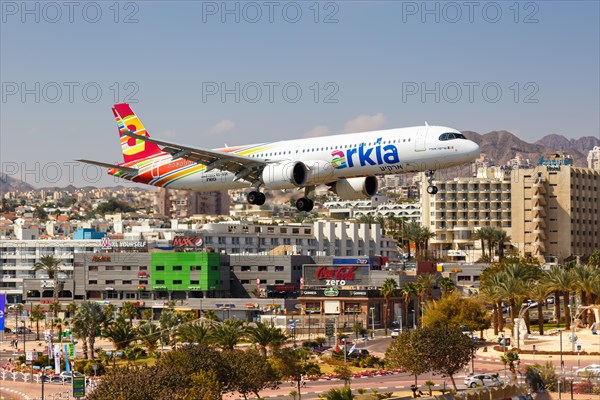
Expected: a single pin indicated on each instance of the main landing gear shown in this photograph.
(255, 197)
(431, 189)
(304, 204)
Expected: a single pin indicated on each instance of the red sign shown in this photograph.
(100, 258)
(185, 241)
(337, 273)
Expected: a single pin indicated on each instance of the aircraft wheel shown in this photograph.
(261, 199)
(253, 197)
(432, 189)
(304, 204)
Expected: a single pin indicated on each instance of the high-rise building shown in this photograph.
(593, 158)
(551, 212)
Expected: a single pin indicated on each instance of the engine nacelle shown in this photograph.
(284, 175)
(318, 172)
(355, 188)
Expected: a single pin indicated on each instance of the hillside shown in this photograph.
(501, 146)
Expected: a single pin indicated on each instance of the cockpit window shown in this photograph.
(451, 135)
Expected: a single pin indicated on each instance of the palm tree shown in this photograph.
(227, 334)
(37, 314)
(149, 334)
(80, 332)
(51, 266)
(500, 237)
(209, 315)
(343, 393)
(92, 318)
(411, 233)
(446, 285)
(538, 291)
(585, 277)
(388, 289)
(479, 234)
(120, 333)
(563, 280)
(129, 310)
(407, 292)
(368, 219)
(264, 335)
(425, 234)
(427, 281)
(194, 332)
(492, 294)
(71, 308)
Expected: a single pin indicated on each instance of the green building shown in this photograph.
(198, 271)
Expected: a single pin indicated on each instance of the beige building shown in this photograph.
(550, 212)
(593, 158)
(183, 203)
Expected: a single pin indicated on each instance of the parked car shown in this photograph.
(21, 330)
(550, 300)
(482, 380)
(7, 330)
(395, 333)
(67, 376)
(359, 353)
(590, 370)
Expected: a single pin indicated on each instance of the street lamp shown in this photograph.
(36, 367)
(372, 322)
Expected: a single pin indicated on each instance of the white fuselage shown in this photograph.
(392, 151)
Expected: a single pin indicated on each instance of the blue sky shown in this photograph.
(362, 65)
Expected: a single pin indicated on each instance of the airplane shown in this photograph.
(348, 163)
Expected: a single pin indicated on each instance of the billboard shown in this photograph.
(2, 299)
(336, 275)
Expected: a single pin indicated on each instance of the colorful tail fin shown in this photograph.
(133, 149)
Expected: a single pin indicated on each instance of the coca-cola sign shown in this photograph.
(336, 275)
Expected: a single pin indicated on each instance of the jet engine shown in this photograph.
(318, 172)
(355, 188)
(284, 175)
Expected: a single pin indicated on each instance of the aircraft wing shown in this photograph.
(243, 167)
(127, 170)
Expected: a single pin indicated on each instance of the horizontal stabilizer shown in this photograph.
(127, 170)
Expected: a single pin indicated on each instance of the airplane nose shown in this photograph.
(474, 150)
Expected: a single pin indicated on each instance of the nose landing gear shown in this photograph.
(431, 189)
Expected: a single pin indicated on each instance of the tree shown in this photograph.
(37, 314)
(71, 308)
(194, 332)
(227, 334)
(408, 352)
(439, 350)
(562, 280)
(594, 260)
(510, 359)
(264, 335)
(446, 285)
(120, 333)
(407, 292)
(149, 334)
(289, 362)
(129, 310)
(454, 311)
(538, 291)
(251, 371)
(91, 317)
(50, 265)
(388, 290)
